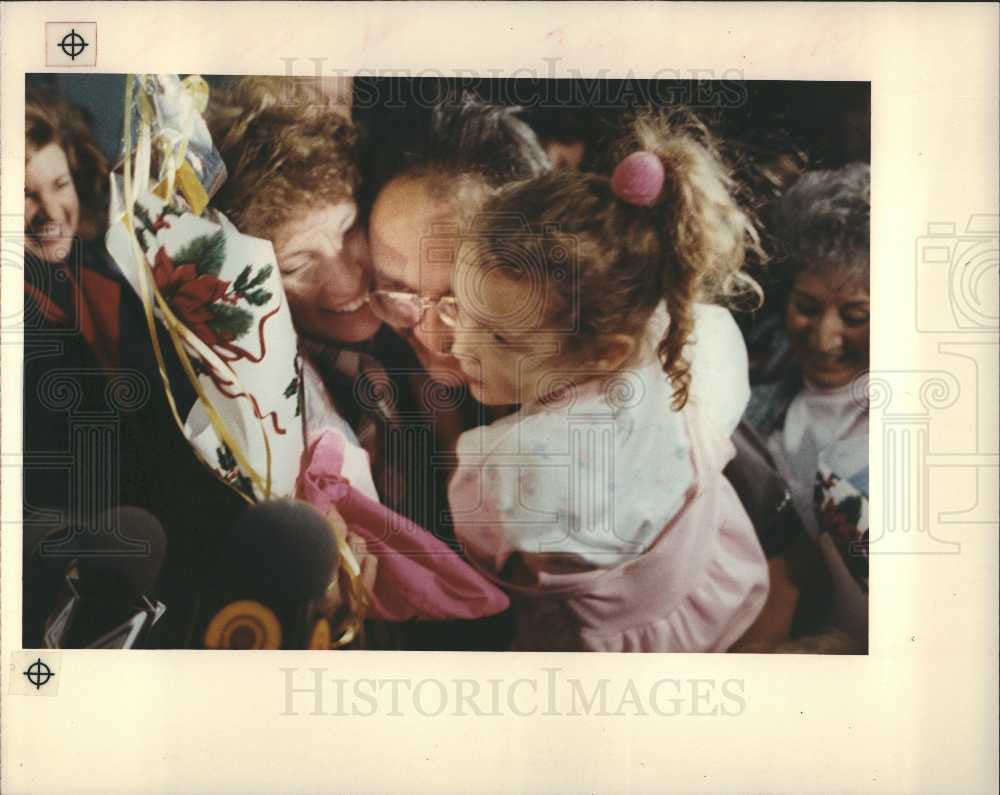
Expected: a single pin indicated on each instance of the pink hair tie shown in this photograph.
(638, 179)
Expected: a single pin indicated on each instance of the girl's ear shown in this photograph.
(614, 351)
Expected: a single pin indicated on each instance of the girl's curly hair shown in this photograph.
(49, 119)
(689, 246)
(285, 149)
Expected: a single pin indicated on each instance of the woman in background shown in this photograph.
(86, 337)
(816, 418)
(70, 294)
(822, 224)
(65, 214)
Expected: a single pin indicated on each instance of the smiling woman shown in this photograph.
(291, 157)
(65, 179)
(51, 206)
(827, 321)
(322, 256)
(816, 418)
(822, 223)
(292, 180)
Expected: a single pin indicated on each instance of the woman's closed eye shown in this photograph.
(296, 263)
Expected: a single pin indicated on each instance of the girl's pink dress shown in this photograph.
(699, 586)
(605, 515)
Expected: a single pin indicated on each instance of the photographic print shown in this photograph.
(488, 397)
(446, 364)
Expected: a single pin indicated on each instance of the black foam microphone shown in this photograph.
(270, 586)
(108, 579)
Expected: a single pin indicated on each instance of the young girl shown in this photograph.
(600, 504)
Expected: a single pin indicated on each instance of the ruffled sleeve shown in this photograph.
(720, 382)
(587, 488)
(504, 499)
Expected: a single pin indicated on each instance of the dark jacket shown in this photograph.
(98, 433)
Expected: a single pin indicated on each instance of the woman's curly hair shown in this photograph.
(689, 246)
(823, 221)
(49, 119)
(285, 149)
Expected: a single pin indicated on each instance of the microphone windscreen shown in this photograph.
(280, 551)
(120, 559)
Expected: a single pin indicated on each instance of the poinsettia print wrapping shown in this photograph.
(841, 501)
(224, 288)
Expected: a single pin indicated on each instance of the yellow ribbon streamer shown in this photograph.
(351, 626)
(192, 189)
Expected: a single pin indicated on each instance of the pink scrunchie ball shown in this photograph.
(638, 179)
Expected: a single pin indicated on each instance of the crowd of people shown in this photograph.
(615, 377)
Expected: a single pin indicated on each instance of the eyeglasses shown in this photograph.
(406, 310)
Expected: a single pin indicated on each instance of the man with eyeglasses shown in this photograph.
(416, 398)
(413, 275)
(415, 228)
